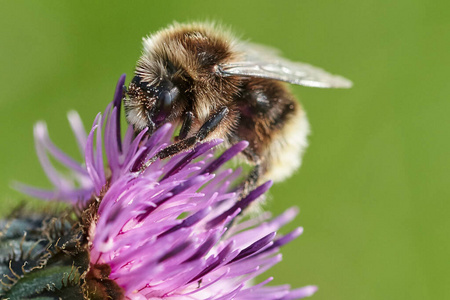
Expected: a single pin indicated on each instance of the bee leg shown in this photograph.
(150, 123)
(253, 178)
(186, 126)
(209, 126)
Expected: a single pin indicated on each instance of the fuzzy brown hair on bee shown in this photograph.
(215, 86)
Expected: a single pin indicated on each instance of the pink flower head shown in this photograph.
(173, 230)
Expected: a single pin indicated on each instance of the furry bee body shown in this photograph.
(275, 126)
(201, 77)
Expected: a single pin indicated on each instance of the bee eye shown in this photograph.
(164, 104)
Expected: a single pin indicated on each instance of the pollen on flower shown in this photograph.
(173, 230)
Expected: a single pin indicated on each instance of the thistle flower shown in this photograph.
(171, 230)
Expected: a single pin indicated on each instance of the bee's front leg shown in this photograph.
(184, 144)
(211, 124)
(186, 126)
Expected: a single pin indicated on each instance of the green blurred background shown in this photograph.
(373, 186)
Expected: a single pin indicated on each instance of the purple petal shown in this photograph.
(226, 156)
(199, 150)
(188, 222)
(224, 255)
(40, 131)
(176, 250)
(285, 239)
(98, 161)
(300, 293)
(118, 95)
(255, 247)
(78, 130)
(112, 149)
(90, 162)
(242, 204)
(205, 247)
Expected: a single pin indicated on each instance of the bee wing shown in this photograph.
(264, 62)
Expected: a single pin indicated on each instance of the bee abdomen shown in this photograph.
(276, 127)
(285, 151)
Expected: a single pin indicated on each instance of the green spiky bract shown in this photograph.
(42, 256)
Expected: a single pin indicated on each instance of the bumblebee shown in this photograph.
(214, 86)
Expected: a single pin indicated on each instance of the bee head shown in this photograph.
(176, 74)
(150, 104)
